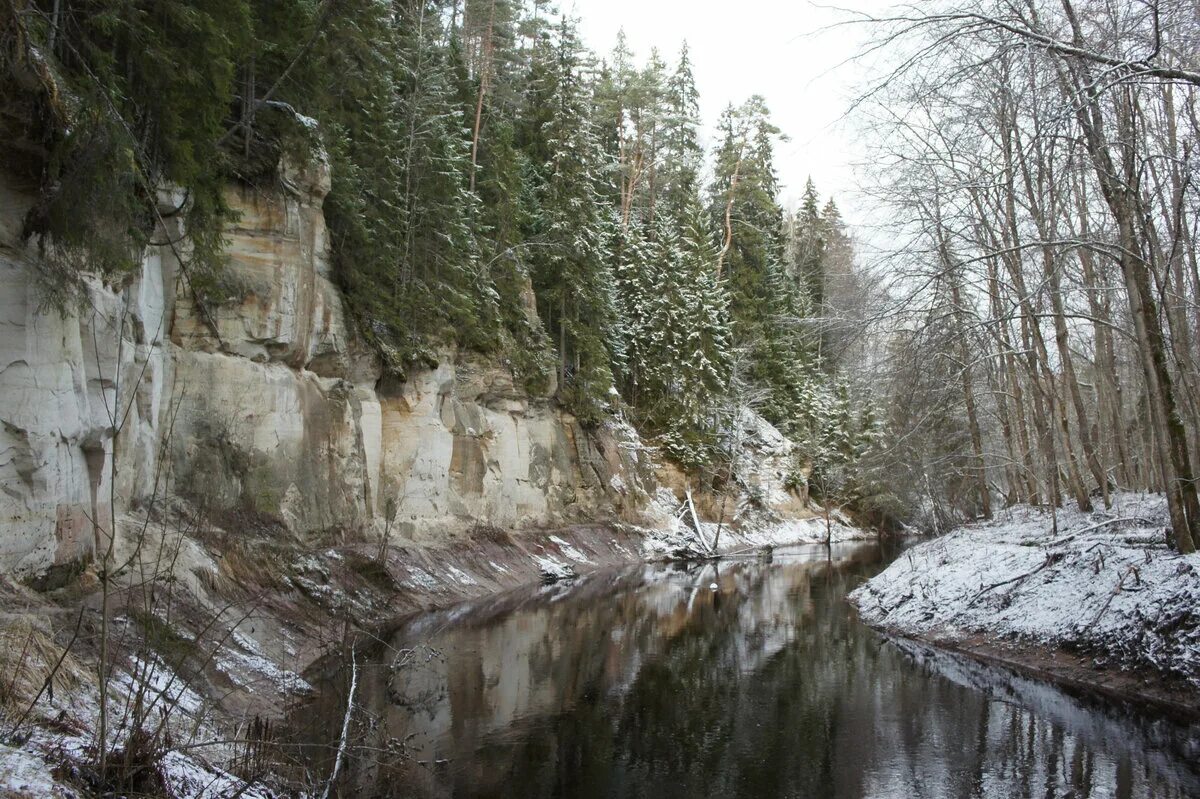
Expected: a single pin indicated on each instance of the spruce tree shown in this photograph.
(807, 245)
(405, 220)
(573, 280)
(681, 151)
(687, 339)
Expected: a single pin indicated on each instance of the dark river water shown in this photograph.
(645, 682)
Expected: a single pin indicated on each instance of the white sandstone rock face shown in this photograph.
(462, 446)
(68, 381)
(267, 402)
(765, 463)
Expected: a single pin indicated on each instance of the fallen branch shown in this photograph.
(1105, 523)
(341, 753)
(1120, 584)
(1051, 559)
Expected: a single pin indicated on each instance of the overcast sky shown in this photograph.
(767, 47)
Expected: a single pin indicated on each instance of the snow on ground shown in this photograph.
(141, 684)
(185, 775)
(789, 531)
(249, 668)
(1105, 584)
(24, 775)
(753, 530)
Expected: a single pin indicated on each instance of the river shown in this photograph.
(647, 682)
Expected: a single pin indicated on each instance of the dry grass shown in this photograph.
(27, 658)
(246, 568)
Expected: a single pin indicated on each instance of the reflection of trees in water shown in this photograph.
(649, 683)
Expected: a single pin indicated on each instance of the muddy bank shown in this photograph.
(1145, 690)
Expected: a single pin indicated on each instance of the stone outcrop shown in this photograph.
(264, 404)
(267, 403)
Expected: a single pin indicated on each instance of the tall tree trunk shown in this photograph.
(985, 501)
(1118, 189)
(1036, 194)
(1109, 399)
(485, 72)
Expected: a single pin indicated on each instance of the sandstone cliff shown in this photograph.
(268, 403)
(251, 454)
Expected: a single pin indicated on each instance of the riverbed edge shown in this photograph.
(1090, 600)
(1071, 672)
(322, 600)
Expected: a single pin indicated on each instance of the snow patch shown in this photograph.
(419, 579)
(461, 576)
(553, 570)
(156, 682)
(24, 775)
(185, 775)
(570, 551)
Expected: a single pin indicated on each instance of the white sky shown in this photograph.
(768, 47)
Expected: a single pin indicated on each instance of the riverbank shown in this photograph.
(224, 649)
(1096, 602)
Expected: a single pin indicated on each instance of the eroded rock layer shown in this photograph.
(266, 402)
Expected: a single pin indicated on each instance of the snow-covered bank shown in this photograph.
(1104, 586)
(747, 528)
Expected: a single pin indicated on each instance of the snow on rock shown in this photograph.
(764, 464)
(1105, 583)
(249, 668)
(553, 570)
(570, 550)
(675, 541)
(461, 576)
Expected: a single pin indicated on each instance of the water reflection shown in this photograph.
(648, 683)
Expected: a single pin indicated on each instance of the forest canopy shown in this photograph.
(483, 161)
